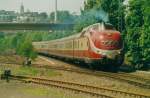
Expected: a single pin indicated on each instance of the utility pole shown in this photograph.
(55, 19)
(121, 16)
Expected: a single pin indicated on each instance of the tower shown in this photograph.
(21, 9)
(55, 18)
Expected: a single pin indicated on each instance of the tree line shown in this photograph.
(20, 44)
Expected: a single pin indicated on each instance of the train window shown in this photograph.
(55, 46)
(75, 44)
(81, 44)
(42, 46)
(95, 27)
(109, 27)
(78, 43)
(70, 44)
(83, 32)
(91, 33)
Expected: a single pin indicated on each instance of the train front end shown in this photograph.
(106, 46)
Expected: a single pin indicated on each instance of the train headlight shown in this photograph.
(104, 53)
(119, 52)
(111, 56)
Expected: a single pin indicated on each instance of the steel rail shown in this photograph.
(140, 78)
(97, 90)
(131, 79)
(50, 83)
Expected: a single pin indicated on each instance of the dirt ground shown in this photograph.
(11, 59)
(145, 74)
(16, 89)
(90, 80)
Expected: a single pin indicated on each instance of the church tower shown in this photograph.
(21, 9)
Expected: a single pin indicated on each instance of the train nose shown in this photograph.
(108, 41)
(107, 44)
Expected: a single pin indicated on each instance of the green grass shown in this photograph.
(1, 71)
(29, 71)
(50, 72)
(32, 71)
(26, 71)
(49, 92)
(36, 91)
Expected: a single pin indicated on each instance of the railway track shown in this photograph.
(125, 77)
(81, 88)
(141, 81)
(130, 78)
(60, 84)
(140, 78)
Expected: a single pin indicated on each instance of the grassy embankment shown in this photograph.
(29, 71)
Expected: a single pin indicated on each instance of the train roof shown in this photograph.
(99, 26)
(61, 39)
(67, 38)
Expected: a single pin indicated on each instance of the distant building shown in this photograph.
(21, 9)
(23, 16)
(7, 16)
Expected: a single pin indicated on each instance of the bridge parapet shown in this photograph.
(35, 26)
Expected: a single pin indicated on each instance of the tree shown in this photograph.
(43, 15)
(90, 17)
(114, 9)
(2, 35)
(138, 36)
(26, 49)
(20, 43)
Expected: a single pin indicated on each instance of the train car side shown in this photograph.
(95, 45)
(72, 48)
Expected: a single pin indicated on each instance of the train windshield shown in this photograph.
(102, 26)
(109, 27)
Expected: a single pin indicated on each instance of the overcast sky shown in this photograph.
(42, 5)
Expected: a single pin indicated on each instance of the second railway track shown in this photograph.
(87, 89)
(125, 77)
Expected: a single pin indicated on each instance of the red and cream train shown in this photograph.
(98, 45)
